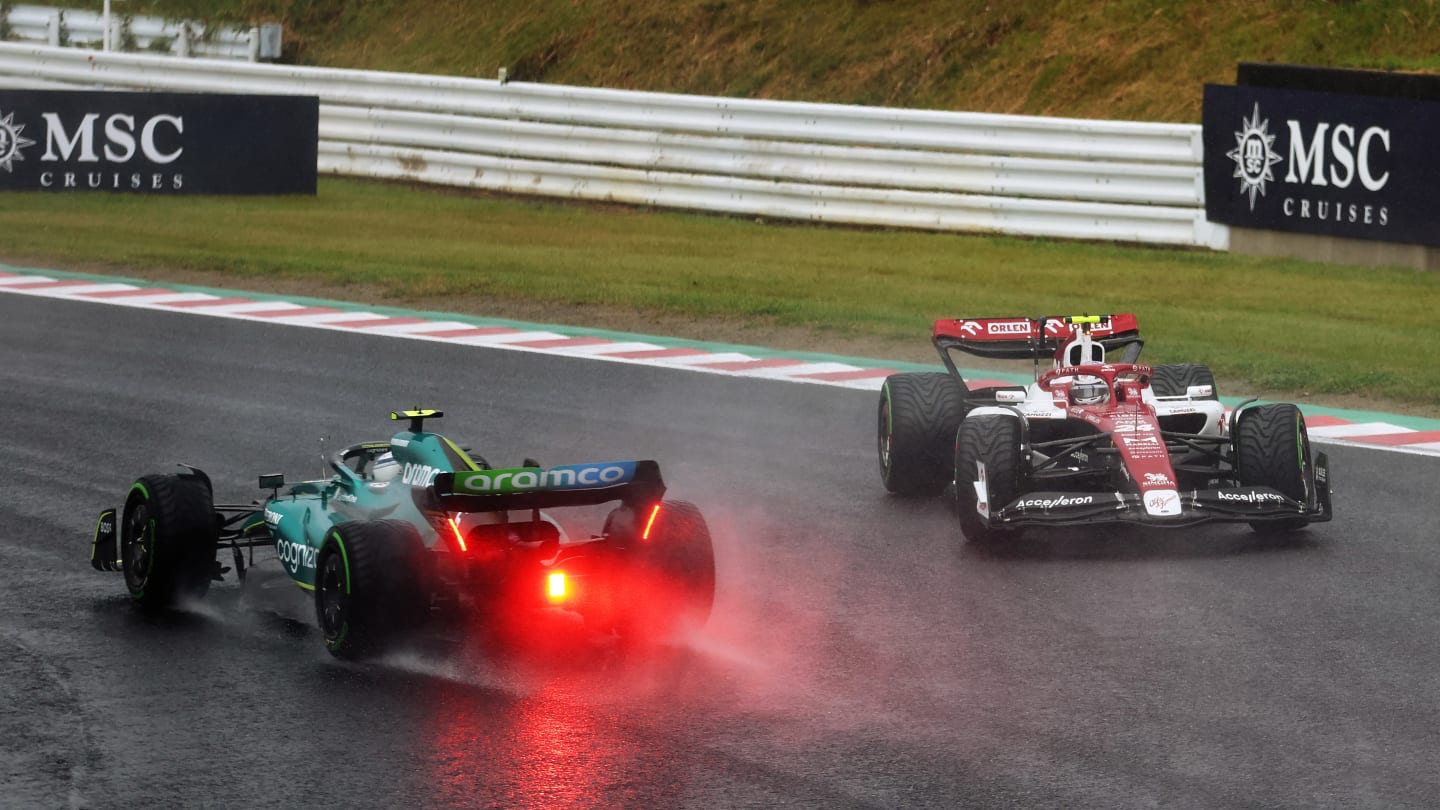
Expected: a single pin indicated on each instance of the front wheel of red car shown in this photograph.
(1272, 449)
(987, 445)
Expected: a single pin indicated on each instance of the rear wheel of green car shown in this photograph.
(664, 584)
(370, 586)
(168, 535)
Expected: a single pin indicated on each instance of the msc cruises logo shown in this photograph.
(11, 141)
(1254, 154)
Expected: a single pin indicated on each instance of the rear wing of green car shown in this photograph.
(633, 482)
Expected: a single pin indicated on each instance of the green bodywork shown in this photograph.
(301, 515)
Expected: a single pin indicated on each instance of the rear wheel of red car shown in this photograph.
(991, 442)
(1175, 379)
(1272, 449)
(918, 416)
(168, 535)
(370, 586)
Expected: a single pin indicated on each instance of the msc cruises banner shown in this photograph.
(157, 143)
(1323, 163)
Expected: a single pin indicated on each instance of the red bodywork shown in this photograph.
(1130, 422)
(1125, 466)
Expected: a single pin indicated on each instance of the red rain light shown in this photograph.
(459, 538)
(556, 586)
(650, 524)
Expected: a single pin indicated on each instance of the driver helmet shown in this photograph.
(1089, 391)
(384, 469)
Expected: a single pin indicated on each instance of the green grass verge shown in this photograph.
(1276, 327)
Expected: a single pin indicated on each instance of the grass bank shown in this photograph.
(1119, 59)
(1359, 337)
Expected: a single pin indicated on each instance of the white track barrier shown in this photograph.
(43, 24)
(1020, 175)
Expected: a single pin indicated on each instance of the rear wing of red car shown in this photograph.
(1024, 338)
(1021, 338)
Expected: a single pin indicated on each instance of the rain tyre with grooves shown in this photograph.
(918, 416)
(1174, 379)
(1272, 449)
(992, 440)
(370, 586)
(168, 535)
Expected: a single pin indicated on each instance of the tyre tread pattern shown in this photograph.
(926, 409)
(1174, 379)
(387, 594)
(1272, 450)
(993, 440)
(186, 536)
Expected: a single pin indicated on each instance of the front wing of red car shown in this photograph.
(1240, 504)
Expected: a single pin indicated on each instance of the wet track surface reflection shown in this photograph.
(859, 655)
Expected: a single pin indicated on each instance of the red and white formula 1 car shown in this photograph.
(1095, 438)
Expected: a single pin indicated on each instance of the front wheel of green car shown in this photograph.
(168, 535)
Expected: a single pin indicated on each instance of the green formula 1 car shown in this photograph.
(411, 529)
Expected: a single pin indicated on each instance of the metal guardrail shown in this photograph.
(1023, 175)
(78, 28)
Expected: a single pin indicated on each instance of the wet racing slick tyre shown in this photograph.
(371, 586)
(918, 416)
(1272, 449)
(168, 536)
(667, 582)
(1175, 379)
(991, 440)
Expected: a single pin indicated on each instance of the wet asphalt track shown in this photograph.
(860, 655)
